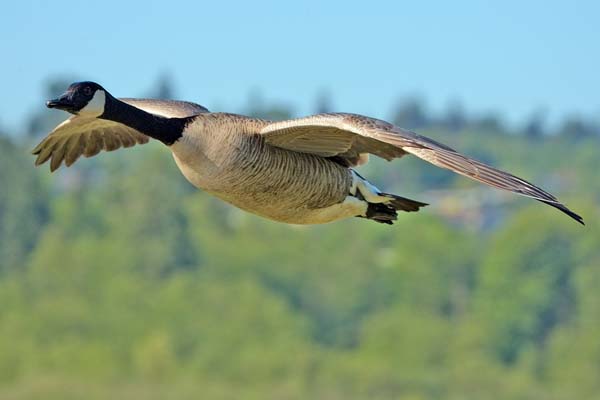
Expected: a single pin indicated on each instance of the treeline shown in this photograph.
(118, 279)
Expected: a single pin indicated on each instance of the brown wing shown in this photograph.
(350, 135)
(329, 135)
(79, 135)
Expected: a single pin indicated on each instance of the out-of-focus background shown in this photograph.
(118, 279)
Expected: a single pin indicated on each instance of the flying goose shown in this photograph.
(298, 171)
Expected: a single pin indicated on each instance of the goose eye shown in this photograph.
(87, 90)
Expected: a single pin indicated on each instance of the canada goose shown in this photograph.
(297, 171)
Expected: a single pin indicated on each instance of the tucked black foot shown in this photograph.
(382, 213)
(387, 213)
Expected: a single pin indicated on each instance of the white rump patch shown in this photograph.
(94, 107)
(366, 189)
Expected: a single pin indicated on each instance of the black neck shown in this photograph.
(167, 130)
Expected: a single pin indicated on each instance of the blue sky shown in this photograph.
(506, 56)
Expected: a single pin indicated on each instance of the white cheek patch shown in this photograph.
(95, 107)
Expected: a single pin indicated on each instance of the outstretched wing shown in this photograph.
(350, 136)
(87, 136)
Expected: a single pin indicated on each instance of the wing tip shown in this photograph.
(565, 210)
(38, 149)
(55, 166)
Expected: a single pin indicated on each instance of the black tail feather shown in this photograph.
(404, 204)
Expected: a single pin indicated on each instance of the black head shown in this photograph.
(81, 98)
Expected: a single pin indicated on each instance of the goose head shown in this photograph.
(82, 98)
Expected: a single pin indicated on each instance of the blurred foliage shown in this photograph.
(118, 279)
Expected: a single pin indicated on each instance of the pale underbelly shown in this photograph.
(303, 215)
(293, 203)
